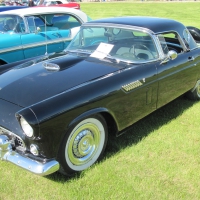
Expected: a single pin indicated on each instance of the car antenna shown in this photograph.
(45, 26)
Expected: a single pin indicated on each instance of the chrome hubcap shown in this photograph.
(84, 144)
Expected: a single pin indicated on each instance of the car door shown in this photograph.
(138, 96)
(138, 81)
(179, 75)
(41, 38)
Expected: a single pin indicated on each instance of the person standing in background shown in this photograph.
(31, 3)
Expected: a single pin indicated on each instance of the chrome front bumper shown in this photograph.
(7, 154)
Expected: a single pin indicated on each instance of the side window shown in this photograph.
(51, 22)
(12, 24)
(31, 24)
(63, 22)
(37, 23)
(170, 41)
(21, 26)
(188, 39)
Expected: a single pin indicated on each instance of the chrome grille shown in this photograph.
(16, 141)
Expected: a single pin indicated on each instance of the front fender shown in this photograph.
(87, 114)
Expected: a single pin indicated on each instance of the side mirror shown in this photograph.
(172, 54)
(38, 30)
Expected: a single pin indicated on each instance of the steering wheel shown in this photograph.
(128, 56)
(141, 46)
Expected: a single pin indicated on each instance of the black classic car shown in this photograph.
(57, 111)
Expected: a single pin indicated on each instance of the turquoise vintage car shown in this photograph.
(31, 32)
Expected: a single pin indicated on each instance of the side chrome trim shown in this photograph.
(31, 45)
(41, 169)
(11, 49)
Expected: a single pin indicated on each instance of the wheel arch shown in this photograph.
(104, 112)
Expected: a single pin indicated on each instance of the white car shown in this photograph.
(30, 32)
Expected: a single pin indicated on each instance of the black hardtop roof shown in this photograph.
(154, 24)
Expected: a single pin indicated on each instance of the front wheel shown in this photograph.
(83, 145)
(194, 94)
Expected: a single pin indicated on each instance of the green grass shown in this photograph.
(185, 12)
(157, 159)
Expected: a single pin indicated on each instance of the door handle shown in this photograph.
(191, 58)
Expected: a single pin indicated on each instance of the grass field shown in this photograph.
(187, 13)
(157, 159)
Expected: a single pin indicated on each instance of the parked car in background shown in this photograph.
(31, 32)
(57, 112)
(59, 3)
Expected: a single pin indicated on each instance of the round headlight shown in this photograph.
(26, 127)
(34, 150)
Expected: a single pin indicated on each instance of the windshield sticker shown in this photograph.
(102, 50)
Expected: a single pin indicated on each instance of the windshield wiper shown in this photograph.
(78, 51)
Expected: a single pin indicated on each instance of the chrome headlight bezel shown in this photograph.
(27, 129)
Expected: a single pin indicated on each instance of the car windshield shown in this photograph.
(119, 43)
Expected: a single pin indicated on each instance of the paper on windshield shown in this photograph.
(102, 50)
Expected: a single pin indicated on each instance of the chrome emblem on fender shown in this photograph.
(132, 85)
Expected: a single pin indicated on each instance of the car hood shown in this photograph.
(30, 83)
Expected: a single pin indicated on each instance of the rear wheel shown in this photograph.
(194, 94)
(83, 145)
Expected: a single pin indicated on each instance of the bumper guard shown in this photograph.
(41, 169)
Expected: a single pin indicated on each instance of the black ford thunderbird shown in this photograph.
(55, 111)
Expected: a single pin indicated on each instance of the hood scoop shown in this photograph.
(51, 66)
